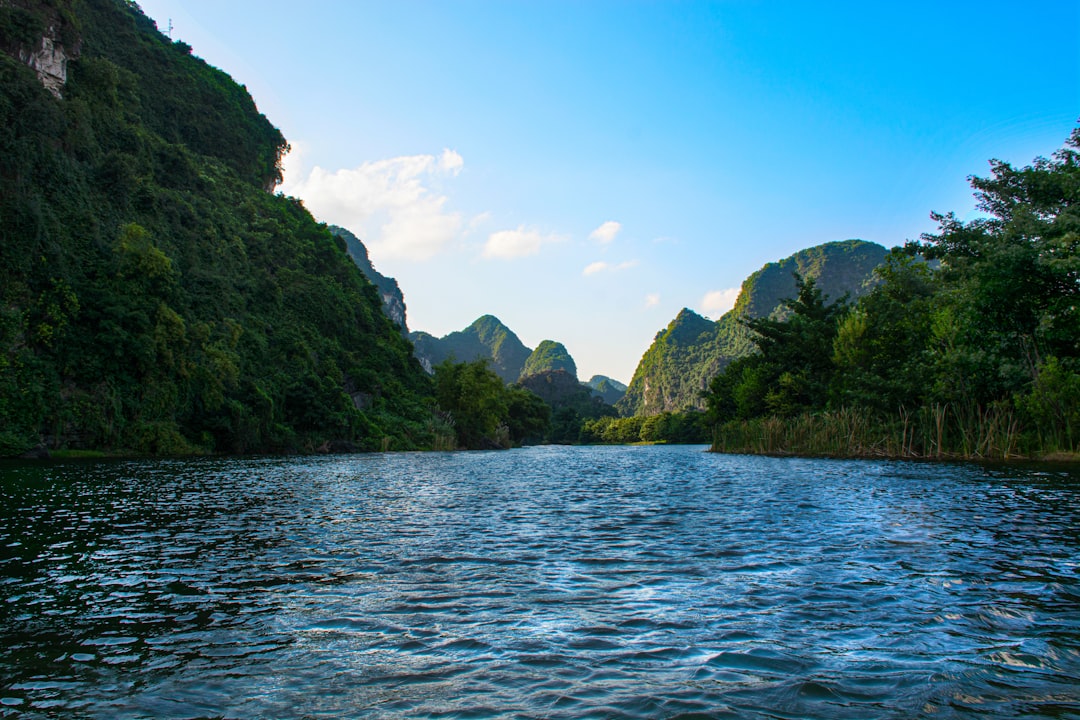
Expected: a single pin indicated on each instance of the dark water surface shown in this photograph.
(642, 582)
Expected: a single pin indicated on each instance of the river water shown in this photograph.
(551, 582)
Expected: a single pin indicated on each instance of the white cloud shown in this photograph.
(717, 302)
(508, 244)
(451, 162)
(389, 203)
(601, 266)
(652, 300)
(606, 232)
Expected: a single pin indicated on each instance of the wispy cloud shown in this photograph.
(601, 266)
(652, 300)
(509, 244)
(606, 233)
(389, 203)
(717, 302)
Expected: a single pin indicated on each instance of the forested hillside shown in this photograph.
(486, 339)
(549, 356)
(156, 296)
(685, 356)
(393, 300)
(975, 355)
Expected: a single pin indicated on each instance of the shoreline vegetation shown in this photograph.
(160, 300)
(930, 434)
(968, 347)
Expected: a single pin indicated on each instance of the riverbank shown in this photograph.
(928, 434)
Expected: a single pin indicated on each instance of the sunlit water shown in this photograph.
(642, 582)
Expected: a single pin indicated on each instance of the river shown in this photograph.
(549, 582)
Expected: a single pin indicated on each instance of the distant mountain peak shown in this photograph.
(609, 390)
(485, 338)
(549, 356)
(692, 349)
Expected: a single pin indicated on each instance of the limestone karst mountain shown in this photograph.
(486, 338)
(692, 349)
(393, 301)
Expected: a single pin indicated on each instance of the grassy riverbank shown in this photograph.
(935, 432)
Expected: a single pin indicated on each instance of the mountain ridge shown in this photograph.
(691, 350)
(158, 298)
(393, 300)
(486, 338)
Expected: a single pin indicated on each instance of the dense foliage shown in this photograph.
(483, 412)
(571, 403)
(684, 357)
(393, 300)
(486, 338)
(969, 345)
(548, 355)
(156, 297)
(684, 428)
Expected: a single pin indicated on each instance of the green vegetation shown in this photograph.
(483, 412)
(609, 390)
(393, 301)
(548, 356)
(487, 338)
(972, 355)
(689, 427)
(156, 297)
(571, 403)
(684, 357)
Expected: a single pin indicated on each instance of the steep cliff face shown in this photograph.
(393, 301)
(686, 355)
(43, 36)
(487, 338)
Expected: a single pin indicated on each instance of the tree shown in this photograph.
(882, 348)
(1010, 297)
(485, 412)
(792, 370)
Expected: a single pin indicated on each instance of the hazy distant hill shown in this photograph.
(392, 299)
(609, 390)
(692, 349)
(486, 338)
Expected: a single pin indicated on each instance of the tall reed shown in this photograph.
(935, 431)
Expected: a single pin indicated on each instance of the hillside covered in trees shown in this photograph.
(156, 296)
(685, 356)
(968, 345)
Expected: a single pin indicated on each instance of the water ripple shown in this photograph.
(541, 583)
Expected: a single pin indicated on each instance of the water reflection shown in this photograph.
(549, 582)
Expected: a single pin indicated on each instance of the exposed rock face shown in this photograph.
(393, 301)
(39, 28)
(50, 62)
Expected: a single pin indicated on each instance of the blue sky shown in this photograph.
(583, 170)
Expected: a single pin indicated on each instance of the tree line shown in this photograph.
(968, 346)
